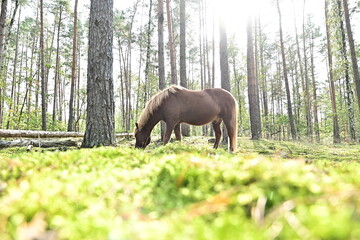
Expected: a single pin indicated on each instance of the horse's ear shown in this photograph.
(137, 125)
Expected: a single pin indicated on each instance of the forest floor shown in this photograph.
(267, 190)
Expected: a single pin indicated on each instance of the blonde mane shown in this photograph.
(155, 102)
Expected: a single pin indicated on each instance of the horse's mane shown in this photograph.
(155, 102)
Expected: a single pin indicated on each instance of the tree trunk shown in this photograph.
(148, 54)
(352, 51)
(100, 89)
(122, 97)
(4, 4)
(42, 70)
(57, 70)
(13, 84)
(224, 67)
(309, 129)
(185, 129)
(224, 59)
(336, 133)
(316, 118)
(289, 105)
(253, 92)
(201, 48)
(345, 61)
(206, 45)
(171, 44)
(297, 89)
(263, 74)
(213, 53)
(161, 53)
(73, 73)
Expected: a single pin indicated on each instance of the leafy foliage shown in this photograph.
(185, 190)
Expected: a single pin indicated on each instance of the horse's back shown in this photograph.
(194, 107)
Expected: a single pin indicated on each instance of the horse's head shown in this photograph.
(142, 137)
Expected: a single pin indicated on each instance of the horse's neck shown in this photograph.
(152, 121)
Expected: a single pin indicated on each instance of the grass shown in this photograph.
(267, 190)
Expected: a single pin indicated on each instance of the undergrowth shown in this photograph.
(267, 190)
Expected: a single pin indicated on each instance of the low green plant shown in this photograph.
(267, 190)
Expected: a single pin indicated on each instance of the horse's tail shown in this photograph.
(234, 122)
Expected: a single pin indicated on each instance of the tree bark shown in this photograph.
(100, 89)
(148, 55)
(345, 61)
(57, 69)
(289, 105)
(38, 143)
(161, 57)
(73, 73)
(352, 51)
(253, 91)
(171, 44)
(309, 129)
(263, 73)
(224, 59)
(13, 84)
(314, 85)
(185, 129)
(224, 66)
(336, 133)
(42, 70)
(4, 4)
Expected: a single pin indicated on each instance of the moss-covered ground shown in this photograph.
(266, 190)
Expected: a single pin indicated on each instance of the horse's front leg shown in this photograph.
(168, 131)
(217, 130)
(177, 132)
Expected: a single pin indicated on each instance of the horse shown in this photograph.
(175, 105)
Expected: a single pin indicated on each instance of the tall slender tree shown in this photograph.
(224, 65)
(171, 44)
(42, 69)
(161, 57)
(13, 103)
(309, 126)
(185, 129)
(161, 44)
(3, 13)
(314, 86)
(345, 62)
(336, 132)
(56, 102)
(253, 89)
(352, 51)
(100, 89)
(287, 88)
(73, 72)
(148, 52)
(263, 79)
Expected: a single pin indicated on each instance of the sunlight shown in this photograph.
(235, 13)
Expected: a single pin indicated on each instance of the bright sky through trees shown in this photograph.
(235, 14)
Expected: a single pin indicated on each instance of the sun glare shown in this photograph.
(235, 13)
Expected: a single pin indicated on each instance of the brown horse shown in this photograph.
(175, 105)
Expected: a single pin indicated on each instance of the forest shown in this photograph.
(297, 75)
(81, 87)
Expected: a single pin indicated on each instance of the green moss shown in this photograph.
(267, 190)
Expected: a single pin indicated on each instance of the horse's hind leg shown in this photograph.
(232, 133)
(177, 132)
(217, 130)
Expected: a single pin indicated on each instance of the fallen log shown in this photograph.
(47, 134)
(39, 143)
